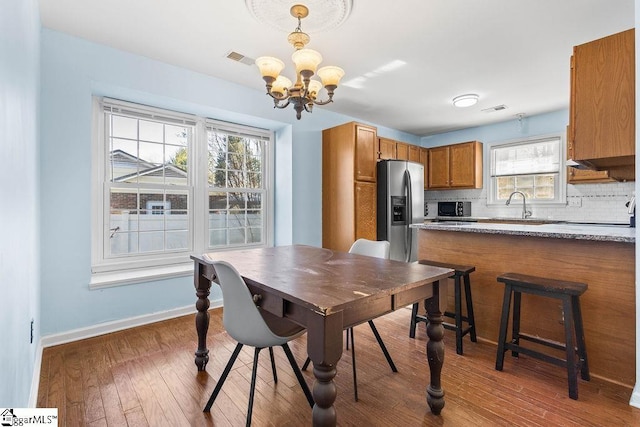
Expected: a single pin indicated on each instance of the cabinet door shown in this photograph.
(578, 176)
(424, 159)
(386, 149)
(462, 167)
(366, 154)
(365, 212)
(602, 112)
(439, 167)
(414, 153)
(402, 151)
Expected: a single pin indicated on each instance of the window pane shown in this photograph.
(527, 158)
(151, 131)
(235, 166)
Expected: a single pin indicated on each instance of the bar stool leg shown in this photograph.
(515, 336)
(471, 319)
(504, 323)
(572, 369)
(458, 314)
(580, 341)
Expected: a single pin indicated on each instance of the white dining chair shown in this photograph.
(245, 324)
(377, 249)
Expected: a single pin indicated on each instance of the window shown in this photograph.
(168, 184)
(532, 166)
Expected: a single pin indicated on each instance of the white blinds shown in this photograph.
(532, 157)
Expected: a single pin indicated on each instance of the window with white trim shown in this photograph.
(533, 166)
(167, 185)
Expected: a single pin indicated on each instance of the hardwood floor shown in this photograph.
(146, 376)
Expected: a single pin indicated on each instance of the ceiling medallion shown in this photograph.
(327, 14)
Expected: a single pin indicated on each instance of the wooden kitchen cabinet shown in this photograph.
(424, 159)
(414, 153)
(602, 104)
(349, 156)
(402, 151)
(455, 166)
(386, 149)
(584, 176)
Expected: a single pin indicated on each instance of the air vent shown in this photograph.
(238, 57)
(496, 108)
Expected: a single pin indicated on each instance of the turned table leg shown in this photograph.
(435, 350)
(324, 346)
(203, 286)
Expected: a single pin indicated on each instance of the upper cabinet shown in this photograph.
(584, 176)
(402, 151)
(602, 106)
(424, 159)
(414, 153)
(386, 149)
(455, 166)
(366, 144)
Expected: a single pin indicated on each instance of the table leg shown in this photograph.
(203, 286)
(435, 350)
(324, 346)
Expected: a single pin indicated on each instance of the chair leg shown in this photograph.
(414, 313)
(223, 377)
(471, 319)
(504, 323)
(296, 371)
(306, 363)
(273, 366)
(254, 373)
(383, 347)
(353, 365)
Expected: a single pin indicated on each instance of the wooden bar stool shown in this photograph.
(574, 346)
(461, 272)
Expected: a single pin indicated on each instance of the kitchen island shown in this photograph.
(603, 256)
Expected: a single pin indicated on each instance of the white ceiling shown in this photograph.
(511, 52)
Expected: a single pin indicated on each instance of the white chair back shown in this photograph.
(241, 317)
(378, 249)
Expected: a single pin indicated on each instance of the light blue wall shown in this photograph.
(72, 71)
(541, 124)
(19, 257)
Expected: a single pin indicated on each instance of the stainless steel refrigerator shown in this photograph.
(400, 203)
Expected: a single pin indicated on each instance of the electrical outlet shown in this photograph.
(575, 202)
(31, 341)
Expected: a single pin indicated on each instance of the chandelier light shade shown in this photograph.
(304, 92)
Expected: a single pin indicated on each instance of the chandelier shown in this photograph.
(303, 93)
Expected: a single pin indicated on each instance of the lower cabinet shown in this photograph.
(365, 212)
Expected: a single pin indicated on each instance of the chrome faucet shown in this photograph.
(525, 213)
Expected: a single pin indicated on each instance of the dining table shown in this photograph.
(325, 292)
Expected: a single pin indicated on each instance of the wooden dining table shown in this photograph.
(325, 292)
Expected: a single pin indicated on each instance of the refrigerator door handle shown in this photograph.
(408, 236)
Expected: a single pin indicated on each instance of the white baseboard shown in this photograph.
(35, 379)
(101, 329)
(635, 397)
(119, 325)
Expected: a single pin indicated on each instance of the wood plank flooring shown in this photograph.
(146, 376)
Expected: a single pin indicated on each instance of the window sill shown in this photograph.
(141, 275)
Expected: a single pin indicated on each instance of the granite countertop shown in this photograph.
(557, 229)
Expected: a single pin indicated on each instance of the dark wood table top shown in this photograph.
(326, 281)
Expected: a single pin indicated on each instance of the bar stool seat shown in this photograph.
(461, 272)
(574, 346)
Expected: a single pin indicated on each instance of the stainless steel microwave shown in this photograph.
(454, 208)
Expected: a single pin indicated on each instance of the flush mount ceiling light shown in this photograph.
(465, 100)
(304, 92)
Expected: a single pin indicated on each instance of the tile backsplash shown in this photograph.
(585, 202)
